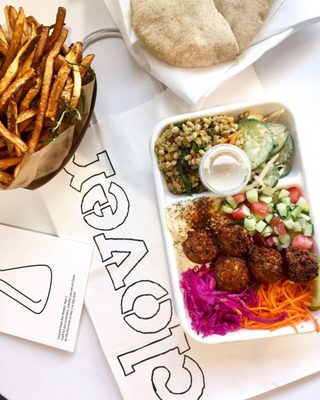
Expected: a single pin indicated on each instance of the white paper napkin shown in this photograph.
(195, 84)
(107, 196)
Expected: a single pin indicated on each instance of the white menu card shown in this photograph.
(42, 285)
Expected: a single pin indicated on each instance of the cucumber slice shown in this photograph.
(268, 190)
(267, 231)
(295, 213)
(280, 135)
(308, 230)
(285, 155)
(282, 209)
(227, 209)
(285, 239)
(230, 201)
(303, 204)
(265, 199)
(268, 218)
(258, 141)
(260, 226)
(250, 223)
(272, 177)
(283, 193)
(252, 195)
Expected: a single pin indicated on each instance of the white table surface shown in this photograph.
(29, 371)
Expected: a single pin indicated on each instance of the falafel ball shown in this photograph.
(265, 264)
(234, 241)
(231, 273)
(200, 246)
(301, 265)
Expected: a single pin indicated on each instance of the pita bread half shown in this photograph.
(184, 33)
(245, 18)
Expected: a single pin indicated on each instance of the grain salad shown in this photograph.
(180, 147)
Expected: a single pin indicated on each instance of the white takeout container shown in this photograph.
(165, 198)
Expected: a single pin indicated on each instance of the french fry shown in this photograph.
(3, 48)
(76, 93)
(15, 86)
(61, 15)
(14, 43)
(45, 90)
(62, 76)
(12, 70)
(12, 114)
(31, 21)
(9, 162)
(30, 95)
(27, 114)
(13, 138)
(5, 178)
(3, 36)
(7, 16)
(40, 47)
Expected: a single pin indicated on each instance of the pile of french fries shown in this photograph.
(40, 85)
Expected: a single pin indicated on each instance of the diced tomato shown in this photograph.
(238, 214)
(295, 194)
(259, 208)
(302, 242)
(239, 198)
(278, 226)
(259, 239)
(269, 241)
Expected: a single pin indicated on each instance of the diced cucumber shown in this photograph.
(268, 190)
(267, 231)
(280, 134)
(295, 213)
(252, 195)
(260, 226)
(286, 200)
(265, 199)
(297, 226)
(282, 209)
(283, 193)
(289, 223)
(308, 230)
(250, 223)
(268, 218)
(231, 201)
(258, 141)
(303, 204)
(272, 177)
(276, 240)
(227, 209)
(285, 239)
(302, 222)
(305, 216)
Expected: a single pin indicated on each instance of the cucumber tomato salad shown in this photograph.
(274, 217)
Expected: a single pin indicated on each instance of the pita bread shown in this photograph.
(245, 18)
(184, 33)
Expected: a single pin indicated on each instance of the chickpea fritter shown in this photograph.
(265, 264)
(234, 241)
(200, 246)
(231, 274)
(301, 265)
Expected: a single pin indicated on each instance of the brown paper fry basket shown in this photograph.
(40, 167)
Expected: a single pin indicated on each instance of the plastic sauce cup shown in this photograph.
(225, 169)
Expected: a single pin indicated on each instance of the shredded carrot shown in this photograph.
(277, 298)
